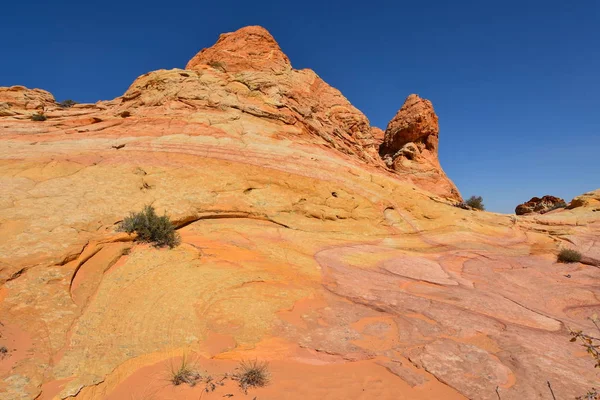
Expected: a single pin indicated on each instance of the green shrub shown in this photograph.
(569, 256)
(151, 228)
(38, 117)
(252, 374)
(67, 103)
(475, 202)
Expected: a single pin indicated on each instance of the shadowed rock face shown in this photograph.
(410, 147)
(298, 248)
(540, 205)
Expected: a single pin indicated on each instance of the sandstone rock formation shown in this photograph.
(249, 49)
(410, 147)
(298, 248)
(18, 100)
(251, 63)
(540, 205)
(590, 199)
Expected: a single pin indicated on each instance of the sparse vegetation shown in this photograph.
(184, 374)
(150, 227)
(217, 65)
(475, 202)
(67, 103)
(125, 114)
(569, 256)
(252, 374)
(38, 117)
(3, 351)
(592, 347)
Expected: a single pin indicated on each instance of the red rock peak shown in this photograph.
(248, 48)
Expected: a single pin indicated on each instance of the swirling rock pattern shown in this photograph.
(298, 247)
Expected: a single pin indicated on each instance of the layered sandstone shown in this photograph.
(18, 100)
(590, 199)
(410, 147)
(252, 63)
(298, 248)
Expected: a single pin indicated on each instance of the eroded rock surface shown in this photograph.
(590, 199)
(18, 100)
(298, 248)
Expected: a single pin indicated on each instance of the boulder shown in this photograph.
(540, 205)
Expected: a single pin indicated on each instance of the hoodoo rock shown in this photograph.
(540, 205)
(298, 247)
(410, 147)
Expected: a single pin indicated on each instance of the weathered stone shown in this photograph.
(411, 141)
(540, 205)
(298, 248)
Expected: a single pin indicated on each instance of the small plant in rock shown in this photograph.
(125, 114)
(475, 202)
(218, 65)
(67, 103)
(252, 374)
(184, 374)
(569, 256)
(38, 117)
(592, 394)
(592, 347)
(3, 351)
(151, 228)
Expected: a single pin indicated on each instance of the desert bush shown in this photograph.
(38, 117)
(125, 114)
(569, 256)
(150, 227)
(475, 202)
(67, 103)
(184, 374)
(252, 374)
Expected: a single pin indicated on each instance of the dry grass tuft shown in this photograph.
(184, 374)
(252, 374)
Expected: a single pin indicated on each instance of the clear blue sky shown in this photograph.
(516, 84)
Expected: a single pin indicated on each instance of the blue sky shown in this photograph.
(516, 84)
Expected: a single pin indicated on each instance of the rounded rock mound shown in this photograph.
(540, 205)
(251, 48)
